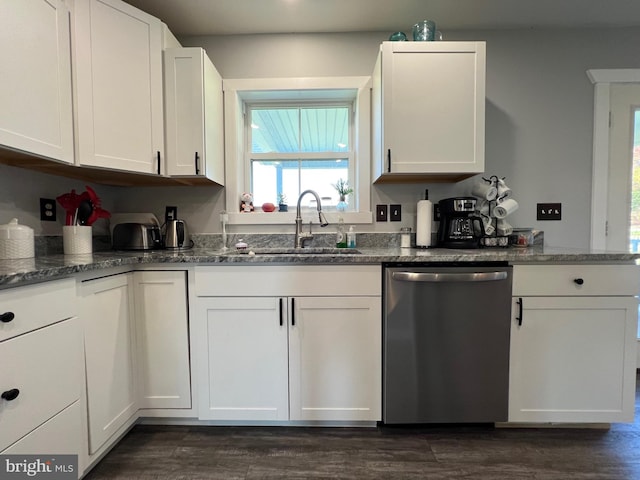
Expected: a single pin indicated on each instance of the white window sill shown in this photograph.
(289, 218)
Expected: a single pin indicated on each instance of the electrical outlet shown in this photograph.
(381, 213)
(47, 210)
(395, 213)
(549, 211)
(170, 213)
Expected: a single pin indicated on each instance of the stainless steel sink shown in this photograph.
(298, 251)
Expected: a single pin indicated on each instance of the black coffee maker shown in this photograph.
(460, 226)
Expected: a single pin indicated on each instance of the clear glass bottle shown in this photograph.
(405, 237)
(341, 238)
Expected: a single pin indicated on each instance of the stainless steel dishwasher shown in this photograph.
(446, 343)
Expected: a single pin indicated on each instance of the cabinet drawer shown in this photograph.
(278, 280)
(35, 306)
(576, 280)
(60, 436)
(45, 367)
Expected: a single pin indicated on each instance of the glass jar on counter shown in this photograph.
(405, 237)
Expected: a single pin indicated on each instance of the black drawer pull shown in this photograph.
(578, 281)
(10, 394)
(7, 317)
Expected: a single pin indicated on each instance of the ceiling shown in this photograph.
(225, 17)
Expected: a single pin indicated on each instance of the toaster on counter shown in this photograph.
(136, 236)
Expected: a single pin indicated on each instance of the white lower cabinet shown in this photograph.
(573, 354)
(162, 339)
(59, 436)
(334, 358)
(279, 358)
(41, 376)
(35, 391)
(246, 363)
(109, 343)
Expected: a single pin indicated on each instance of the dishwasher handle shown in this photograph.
(433, 277)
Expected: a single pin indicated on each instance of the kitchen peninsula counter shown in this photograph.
(16, 272)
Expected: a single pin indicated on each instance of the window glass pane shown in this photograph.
(271, 178)
(290, 177)
(324, 129)
(634, 223)
(321, 176)
(275, 130)
(291, 130)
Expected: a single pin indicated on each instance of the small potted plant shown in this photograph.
(343, 189)
(282, 203)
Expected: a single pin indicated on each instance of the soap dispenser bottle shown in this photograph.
(351, 238)
(341, 238)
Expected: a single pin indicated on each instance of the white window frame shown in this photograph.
(237, 173)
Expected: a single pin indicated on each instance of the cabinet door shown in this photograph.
(433, 99)
(109, 356)
(162, 334)
(244, 374)
(194, 115)
(118, 59)
(35, 78)
(573, 359)
(335, 358)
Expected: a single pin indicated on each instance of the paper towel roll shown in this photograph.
(423, 223)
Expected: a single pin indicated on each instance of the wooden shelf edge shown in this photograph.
(413, 178)
(96, 175)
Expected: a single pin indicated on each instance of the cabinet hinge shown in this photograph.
(606, 228)
(610, 119)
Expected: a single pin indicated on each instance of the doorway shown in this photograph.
(615, 199)
(623, 205)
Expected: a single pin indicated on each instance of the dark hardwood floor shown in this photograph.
(163, 453)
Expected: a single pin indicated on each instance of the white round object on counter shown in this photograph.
(16, 241)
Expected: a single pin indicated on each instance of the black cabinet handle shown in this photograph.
(197, 167)
(578, 281)
(281, 312)
(7, 317)
(158, 162)
(293, 312)
(519, 317)
(10, 394)
(389, 161)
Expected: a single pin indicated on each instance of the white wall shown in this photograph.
(539, 121)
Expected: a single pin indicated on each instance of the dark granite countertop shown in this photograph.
(15, 272)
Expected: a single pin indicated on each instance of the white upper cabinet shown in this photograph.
(428, 111)
(194, 115)
(118, 59)
(35, 78)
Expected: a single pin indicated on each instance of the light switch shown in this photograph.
(381, 213)
(395, 213)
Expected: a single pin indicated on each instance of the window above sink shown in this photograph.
(259, 159)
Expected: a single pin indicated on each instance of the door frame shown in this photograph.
(602, 80)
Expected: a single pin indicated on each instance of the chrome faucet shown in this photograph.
(302, 237)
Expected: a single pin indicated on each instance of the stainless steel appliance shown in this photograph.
(136, 236)
(460, 226)
(176, 235)
(446, 343)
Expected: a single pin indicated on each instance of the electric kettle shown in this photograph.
(176, 235)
